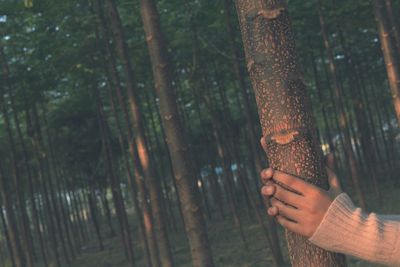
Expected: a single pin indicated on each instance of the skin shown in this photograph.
(302, 208)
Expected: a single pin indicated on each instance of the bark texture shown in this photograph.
(255, 150)
(283, 106)
(180, 153)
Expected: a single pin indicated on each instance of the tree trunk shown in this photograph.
(93, 212)
(180, 152)
(25, 159)
(106, 207)
(162, 150)
(115, 185)
(54, 166)
(283, 107)
(15, 242)
(6, 232)
(343, 120)
(48, 179)
(38, 154)
(143, 153)
(138, 172)
(393, 23)
(364, 130)
(131, 182)
(390, 53)
(21, 213)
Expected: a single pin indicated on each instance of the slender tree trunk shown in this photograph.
(93, 213)
(361, 118)
(343, 120)
(25, 159)
(142, 228)
(48, 178)
(393, 22)
(22, 216)
(115, 186)
(140, 141)
(6, 233)
(228, 184)
(323, 109)
(285, 114)
(336, 106)
(168, 158)
(180, 152)
(162, 150)
(54, 169)
(15, 242)
(367, 75)
(38, 152)
(106, 207)
(390, 52)
(213, 177)
(77, 213)
(138, 171)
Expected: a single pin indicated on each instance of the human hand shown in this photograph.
(299, 212)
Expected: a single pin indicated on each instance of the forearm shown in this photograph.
(346, 229)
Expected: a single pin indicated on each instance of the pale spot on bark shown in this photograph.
(270, 14)
(250, 65)
(284, 138)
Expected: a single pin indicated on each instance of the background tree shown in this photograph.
(85, 195)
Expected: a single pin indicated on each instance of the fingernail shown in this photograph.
(268, 173)
(268, 190)
(270, 211)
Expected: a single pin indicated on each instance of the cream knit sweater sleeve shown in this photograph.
(346, 229)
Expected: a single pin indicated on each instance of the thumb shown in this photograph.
(263, 143)
(334, 184)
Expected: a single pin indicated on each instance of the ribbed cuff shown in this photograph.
(346, 229)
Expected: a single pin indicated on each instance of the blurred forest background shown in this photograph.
(89, 172)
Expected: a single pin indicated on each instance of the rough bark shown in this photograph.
(182, 160)
(283, 106)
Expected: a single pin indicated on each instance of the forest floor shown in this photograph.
(228, 250)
